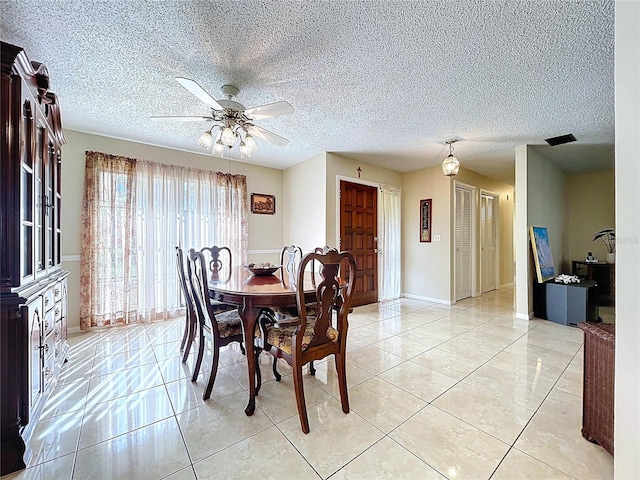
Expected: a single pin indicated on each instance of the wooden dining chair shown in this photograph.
(219, 260)
(190, 324)
(224, 327)
(313, 337)
(290, 258)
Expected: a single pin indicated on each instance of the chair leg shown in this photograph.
(342, 381)
(312, 370)
(256, 353)
(186, 331)
(302, 406)
(201, 347)
(212, 373)
(242, 349)
(191, 334)
(277, 375)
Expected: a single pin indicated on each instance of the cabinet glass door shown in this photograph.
(27, 198)
(49, 204)
(39, 178)
(58, 208)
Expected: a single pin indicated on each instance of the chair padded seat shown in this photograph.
(282, 337)
(229, 323)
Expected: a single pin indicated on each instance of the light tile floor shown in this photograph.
(460, 392)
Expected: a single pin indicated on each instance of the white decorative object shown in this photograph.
(610, 257)
(566, 279)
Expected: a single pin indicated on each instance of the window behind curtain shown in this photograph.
(134, 214)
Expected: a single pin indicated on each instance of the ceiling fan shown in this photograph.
(232, 122)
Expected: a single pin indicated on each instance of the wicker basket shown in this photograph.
(598, 383)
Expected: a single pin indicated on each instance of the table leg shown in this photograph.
(249, 317)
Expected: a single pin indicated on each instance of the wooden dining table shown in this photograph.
(251, 293)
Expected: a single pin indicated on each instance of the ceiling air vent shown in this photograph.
(553, 141)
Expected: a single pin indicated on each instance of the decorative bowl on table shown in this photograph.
(262, 269)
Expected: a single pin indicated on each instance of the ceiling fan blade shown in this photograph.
(177, 118)
(199, 92)
(267, 135)
(269, 111)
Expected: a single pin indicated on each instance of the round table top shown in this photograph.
(241, 281)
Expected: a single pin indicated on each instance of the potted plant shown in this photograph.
(608, 237)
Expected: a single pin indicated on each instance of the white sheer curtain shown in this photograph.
(128, 258)
(389, 242)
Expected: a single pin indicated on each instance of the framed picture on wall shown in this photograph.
(263, 204)
(425, 220)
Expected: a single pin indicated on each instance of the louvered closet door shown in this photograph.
(487, 243)
(463, 243)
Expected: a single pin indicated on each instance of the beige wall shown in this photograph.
(262, 246)
(590, 208)
(540, 202)
(426, 267)
(546, 203)
(305, 199)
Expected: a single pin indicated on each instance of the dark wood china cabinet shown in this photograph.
(33, 286)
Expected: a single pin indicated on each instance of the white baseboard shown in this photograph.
(70, 258)
(505, 285)
(524, 316)
(428, 299)
(73, 330)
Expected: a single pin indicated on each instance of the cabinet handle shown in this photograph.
(57, 312)
(46, 300)
(46, 325)
(56, 292)
(48, 372)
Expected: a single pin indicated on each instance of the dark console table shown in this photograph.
(601, 272)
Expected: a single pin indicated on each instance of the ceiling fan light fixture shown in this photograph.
(228, 136)
(206, 140)
(218, 148)
(450, 165)
(245, 151)
(231, 120)
(251, 143)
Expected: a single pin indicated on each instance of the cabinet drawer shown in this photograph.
(49, 347)
(57, 311)
(57, 292)
(49, 322)
(49, 300)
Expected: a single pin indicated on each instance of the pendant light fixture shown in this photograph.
(450, 165)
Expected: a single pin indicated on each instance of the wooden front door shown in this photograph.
(359, 235)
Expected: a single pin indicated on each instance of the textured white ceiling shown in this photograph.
(382, 81)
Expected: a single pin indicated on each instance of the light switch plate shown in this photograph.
(436, 238)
